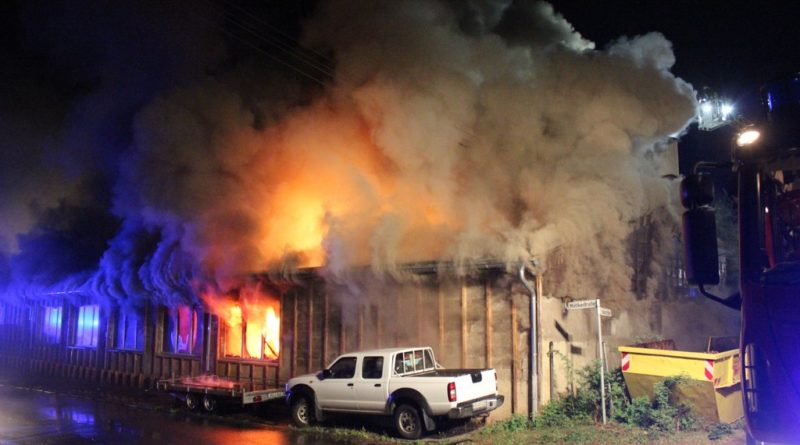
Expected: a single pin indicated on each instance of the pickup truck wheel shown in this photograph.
(408, 422)
(302, 412)
(209, 403)
(192, 401)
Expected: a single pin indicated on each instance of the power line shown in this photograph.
(281, 33)
(250, 34)
(285, 48)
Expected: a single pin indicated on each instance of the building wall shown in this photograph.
(482, 320)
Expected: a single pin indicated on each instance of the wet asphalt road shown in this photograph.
(30, 416)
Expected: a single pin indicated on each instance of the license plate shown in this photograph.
(480, 406)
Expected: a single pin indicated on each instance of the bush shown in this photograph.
(637, 413)
(661, 415)
(561, 412)
(516, 423)
(719, 430)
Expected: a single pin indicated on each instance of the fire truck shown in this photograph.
(765, 162)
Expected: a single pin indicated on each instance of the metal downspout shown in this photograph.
(533, 384)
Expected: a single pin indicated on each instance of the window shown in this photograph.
(254, 335)
(413, 361)
(429, 363)
(344, 368)
(51, 324)
(181, 332)
(88, 322)
(372, 368)
(130, 331)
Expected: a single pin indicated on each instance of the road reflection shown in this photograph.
(36, 417)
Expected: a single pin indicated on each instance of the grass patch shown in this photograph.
(348, 435)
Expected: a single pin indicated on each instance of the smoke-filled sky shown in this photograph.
(151, 149)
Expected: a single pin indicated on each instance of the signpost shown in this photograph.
(604, 312)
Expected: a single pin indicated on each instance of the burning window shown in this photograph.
(88, 322)
(51, 324)
(181, 332)
(253, 334)
(130, 331)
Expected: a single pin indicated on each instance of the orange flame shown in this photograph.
(251, 327)
(271, 331)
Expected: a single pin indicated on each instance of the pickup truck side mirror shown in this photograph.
(324, 374)
(699, 230)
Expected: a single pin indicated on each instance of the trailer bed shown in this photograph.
(207, 386)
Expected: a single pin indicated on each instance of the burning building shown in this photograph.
(217, 212)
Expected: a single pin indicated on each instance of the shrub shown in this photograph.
(561, 412)
(719, 430)
(516, 423)
(661, 415)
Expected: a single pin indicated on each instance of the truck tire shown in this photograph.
(302, 412)
(192, 401)
(408, 421)
(209, 403)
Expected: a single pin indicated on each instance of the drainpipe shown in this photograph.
(533, 384)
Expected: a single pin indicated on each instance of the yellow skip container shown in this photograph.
(713, 390)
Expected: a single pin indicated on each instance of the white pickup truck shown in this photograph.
(405, 383)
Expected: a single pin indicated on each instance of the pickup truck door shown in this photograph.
(371, 384)
(338, 390)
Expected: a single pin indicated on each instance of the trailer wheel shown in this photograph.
(192, 401)
(209, 403)
(302, 412)
(408, 422)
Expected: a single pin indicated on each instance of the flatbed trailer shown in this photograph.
(209, 391)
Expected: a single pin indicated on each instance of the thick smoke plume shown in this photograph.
(449, 131)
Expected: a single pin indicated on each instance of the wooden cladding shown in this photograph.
(474, 321)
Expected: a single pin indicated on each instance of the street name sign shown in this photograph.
(582, 304)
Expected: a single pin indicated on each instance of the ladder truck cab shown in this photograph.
(765, 159)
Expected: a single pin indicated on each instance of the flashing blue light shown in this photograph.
(82, 418)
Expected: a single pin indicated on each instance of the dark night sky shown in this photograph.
(54, 54)
(731, 46)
